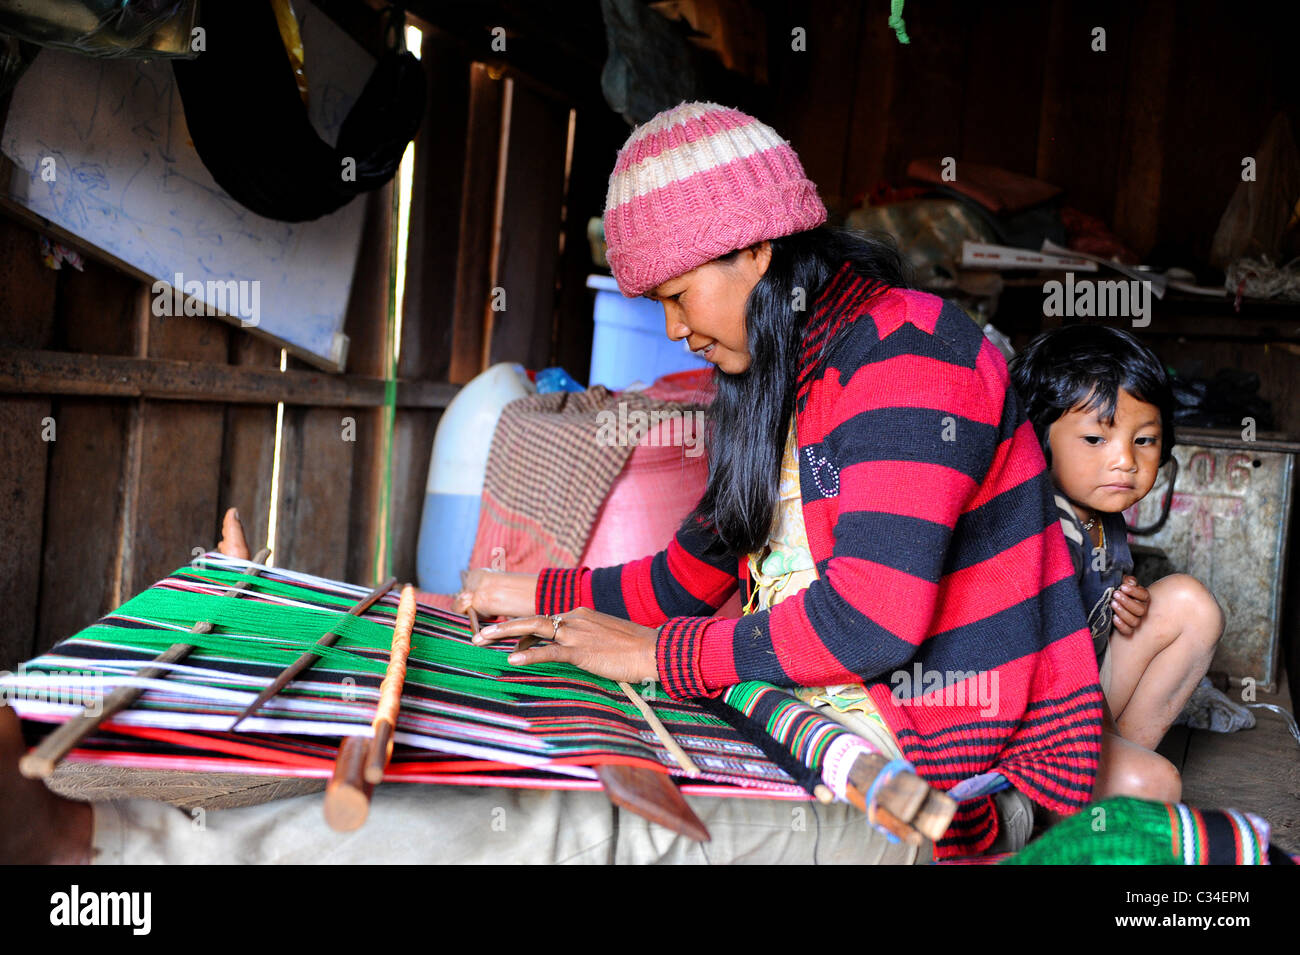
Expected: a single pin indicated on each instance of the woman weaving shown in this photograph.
(874, 485)
(869, 460)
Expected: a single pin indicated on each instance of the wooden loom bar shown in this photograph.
(661, 731)
(347, 795)
(361, 761)
(904, 800)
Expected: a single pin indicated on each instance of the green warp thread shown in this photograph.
(255, 631)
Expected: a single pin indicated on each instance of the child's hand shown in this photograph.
(1130, 602)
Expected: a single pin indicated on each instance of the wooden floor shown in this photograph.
(1256, 770)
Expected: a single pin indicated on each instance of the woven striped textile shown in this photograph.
(1126, 831)
(467, 715)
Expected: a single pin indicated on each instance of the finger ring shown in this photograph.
(556, 620)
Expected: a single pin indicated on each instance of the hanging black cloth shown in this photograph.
(250, 126)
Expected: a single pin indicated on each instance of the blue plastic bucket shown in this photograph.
(629, 343)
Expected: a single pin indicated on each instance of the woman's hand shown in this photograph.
(1131, 601)
(494, 593)
(607, 646)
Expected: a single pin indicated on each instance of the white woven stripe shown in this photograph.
(1245, 835)
(682, 162)
(1067, 524)
(1187, 832)
(1251, 842)
(1263, 831)
(839, 760)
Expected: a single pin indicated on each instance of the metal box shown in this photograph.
(1228, 527)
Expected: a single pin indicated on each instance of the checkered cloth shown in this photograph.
(549, 471)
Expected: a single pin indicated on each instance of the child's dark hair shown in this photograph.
(1087, 365)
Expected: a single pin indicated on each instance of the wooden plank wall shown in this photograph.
(128, 489)
(1148, 136)
(131, 487)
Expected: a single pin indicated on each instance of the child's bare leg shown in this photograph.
(1149, 674)
(36, 825)
(1127, 769)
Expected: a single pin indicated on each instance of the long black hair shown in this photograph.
(750, 414)
(1085, 366)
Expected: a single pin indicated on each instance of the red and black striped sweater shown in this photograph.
(944, 583)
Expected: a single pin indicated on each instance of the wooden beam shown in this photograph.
(532, 201)
(32, 371)
(474, 265)
(28, 317)
(1136, 215)
(561, 46)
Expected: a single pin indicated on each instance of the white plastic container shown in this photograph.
(457, 469)
(630, 343)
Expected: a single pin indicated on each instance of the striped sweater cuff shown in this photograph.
(560, 589)
(681, 657)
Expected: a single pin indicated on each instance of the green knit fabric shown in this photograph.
(1126, 831)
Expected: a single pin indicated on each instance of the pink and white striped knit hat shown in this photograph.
(695, 182)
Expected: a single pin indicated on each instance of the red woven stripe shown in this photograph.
(560, 589)
(677, 656)
(916, 381)
(699, 578)
(637, 585)
(973, 830)
(902, 305)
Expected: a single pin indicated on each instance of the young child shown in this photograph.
(1101, 405)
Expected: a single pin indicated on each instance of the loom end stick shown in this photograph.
(883, 817)
(381, 747)
(902, 794)
(41, 762)
(906, 804)
(935, 815)
(653, 796)
(34, 765)
(347, 795)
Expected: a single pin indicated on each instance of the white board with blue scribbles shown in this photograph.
(128, 181)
